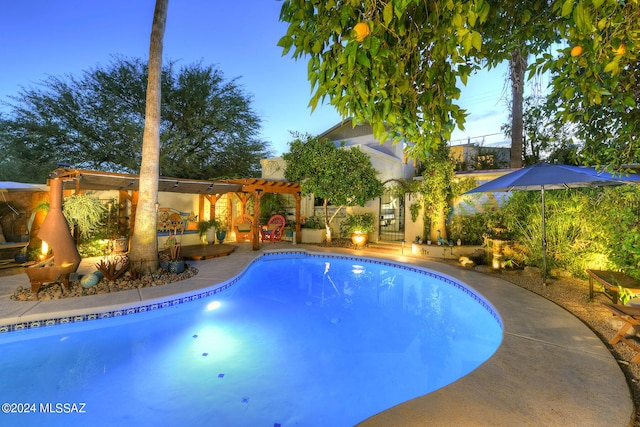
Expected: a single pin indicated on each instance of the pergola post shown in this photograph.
(213, 199)
(298, 197)
(201, 207)
(255, 240)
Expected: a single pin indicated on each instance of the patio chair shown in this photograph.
(244, 225)
(631, 316)
(12, 243)
(273, 230)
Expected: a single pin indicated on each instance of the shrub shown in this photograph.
(585, 228)
(471, 229)
(314, 222)
(363, 223)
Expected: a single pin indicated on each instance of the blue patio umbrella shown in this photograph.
(546, 176)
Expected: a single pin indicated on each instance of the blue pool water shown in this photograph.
(297, 341)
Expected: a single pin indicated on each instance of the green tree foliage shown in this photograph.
(596, 88)
(404, 76)
(438, 189)
(96, 120)
(340, 176)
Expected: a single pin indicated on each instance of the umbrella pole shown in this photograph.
(544, 245)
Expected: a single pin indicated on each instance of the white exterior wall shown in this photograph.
(386, 158)
(413, 229)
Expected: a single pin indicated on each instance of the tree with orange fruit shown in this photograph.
(404, 74)
(595, 82)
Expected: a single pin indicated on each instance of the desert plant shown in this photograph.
(173, 244)
(113, 268)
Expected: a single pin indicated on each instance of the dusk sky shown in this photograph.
(41, 38)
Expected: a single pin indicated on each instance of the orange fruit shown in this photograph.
(362, 30)
(620, 50)
(576, 51)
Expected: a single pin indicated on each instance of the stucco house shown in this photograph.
(386, 158)
(393, 218)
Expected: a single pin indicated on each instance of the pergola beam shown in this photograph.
(81, 180)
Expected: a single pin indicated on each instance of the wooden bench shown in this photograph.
(610, 280)
(631, 317)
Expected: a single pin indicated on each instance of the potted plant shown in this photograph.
(289, 229)
(207, 229)
(175, 264)
(22, 256)
(358, 226)
(221, 231)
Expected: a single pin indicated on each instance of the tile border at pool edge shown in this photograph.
(134, 307)
(484, 302)
(125, 309)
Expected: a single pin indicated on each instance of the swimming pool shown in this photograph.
(297, 340)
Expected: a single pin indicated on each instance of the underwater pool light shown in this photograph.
(213, 305)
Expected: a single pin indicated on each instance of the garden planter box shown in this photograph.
(311, 235)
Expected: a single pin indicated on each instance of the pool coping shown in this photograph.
(550, 369)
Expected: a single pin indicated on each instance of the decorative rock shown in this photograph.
(54, 290)
(89, 280)
(466, 262)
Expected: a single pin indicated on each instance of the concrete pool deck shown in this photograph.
(551, 369)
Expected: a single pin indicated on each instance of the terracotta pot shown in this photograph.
(359, 239)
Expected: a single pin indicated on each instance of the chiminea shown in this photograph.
(55, 231)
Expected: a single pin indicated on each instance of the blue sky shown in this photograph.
(39, 38)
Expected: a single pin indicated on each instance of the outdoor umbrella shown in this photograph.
(11, 186)
(546, 176)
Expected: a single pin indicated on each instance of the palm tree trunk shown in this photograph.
(517, 66)
(144, 244)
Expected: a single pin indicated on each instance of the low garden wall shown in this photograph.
(445, 251)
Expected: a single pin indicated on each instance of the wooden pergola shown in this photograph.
(257, 188)
(127, 186)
